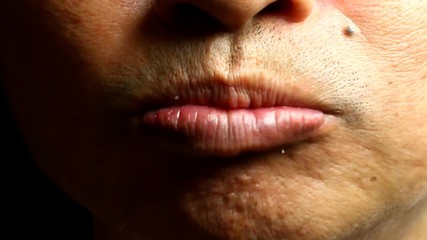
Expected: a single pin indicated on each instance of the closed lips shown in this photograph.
(227, 120)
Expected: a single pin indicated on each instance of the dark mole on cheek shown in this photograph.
(373, 179)
(348, 31)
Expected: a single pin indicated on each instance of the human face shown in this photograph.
(157, 115)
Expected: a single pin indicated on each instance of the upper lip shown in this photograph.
(248, 91)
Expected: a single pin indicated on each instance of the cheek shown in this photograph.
(391, 26)
(95, 31)
(393, 36)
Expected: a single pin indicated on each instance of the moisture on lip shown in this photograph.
(230, 132)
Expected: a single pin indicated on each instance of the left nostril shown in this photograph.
(188, 11)
(276, 7)
(291, 10)
(186, 15)
(298, 10)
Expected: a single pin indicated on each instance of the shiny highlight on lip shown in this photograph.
(213, 131)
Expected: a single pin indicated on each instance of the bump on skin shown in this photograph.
(349, 31)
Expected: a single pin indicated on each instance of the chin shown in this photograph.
(317, 189)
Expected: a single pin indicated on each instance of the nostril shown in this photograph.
(201, 17)
(185, 14)
(291, 10)
(276, 7)
(186, 10)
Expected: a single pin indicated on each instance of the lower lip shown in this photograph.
(219, 132)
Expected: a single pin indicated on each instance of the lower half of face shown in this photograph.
(166, 130)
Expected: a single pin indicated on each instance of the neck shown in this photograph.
(407, 225)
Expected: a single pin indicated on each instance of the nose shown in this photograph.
(235, 14)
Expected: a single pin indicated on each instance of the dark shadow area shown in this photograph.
(34, 208)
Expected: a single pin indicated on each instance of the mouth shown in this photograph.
(223, 117)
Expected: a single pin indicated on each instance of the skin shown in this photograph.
(73, 69)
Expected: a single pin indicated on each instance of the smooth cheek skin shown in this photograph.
(87, 62)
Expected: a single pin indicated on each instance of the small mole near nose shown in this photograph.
(349, 31)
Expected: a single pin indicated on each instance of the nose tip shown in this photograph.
(298, 10)
(235, 14)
